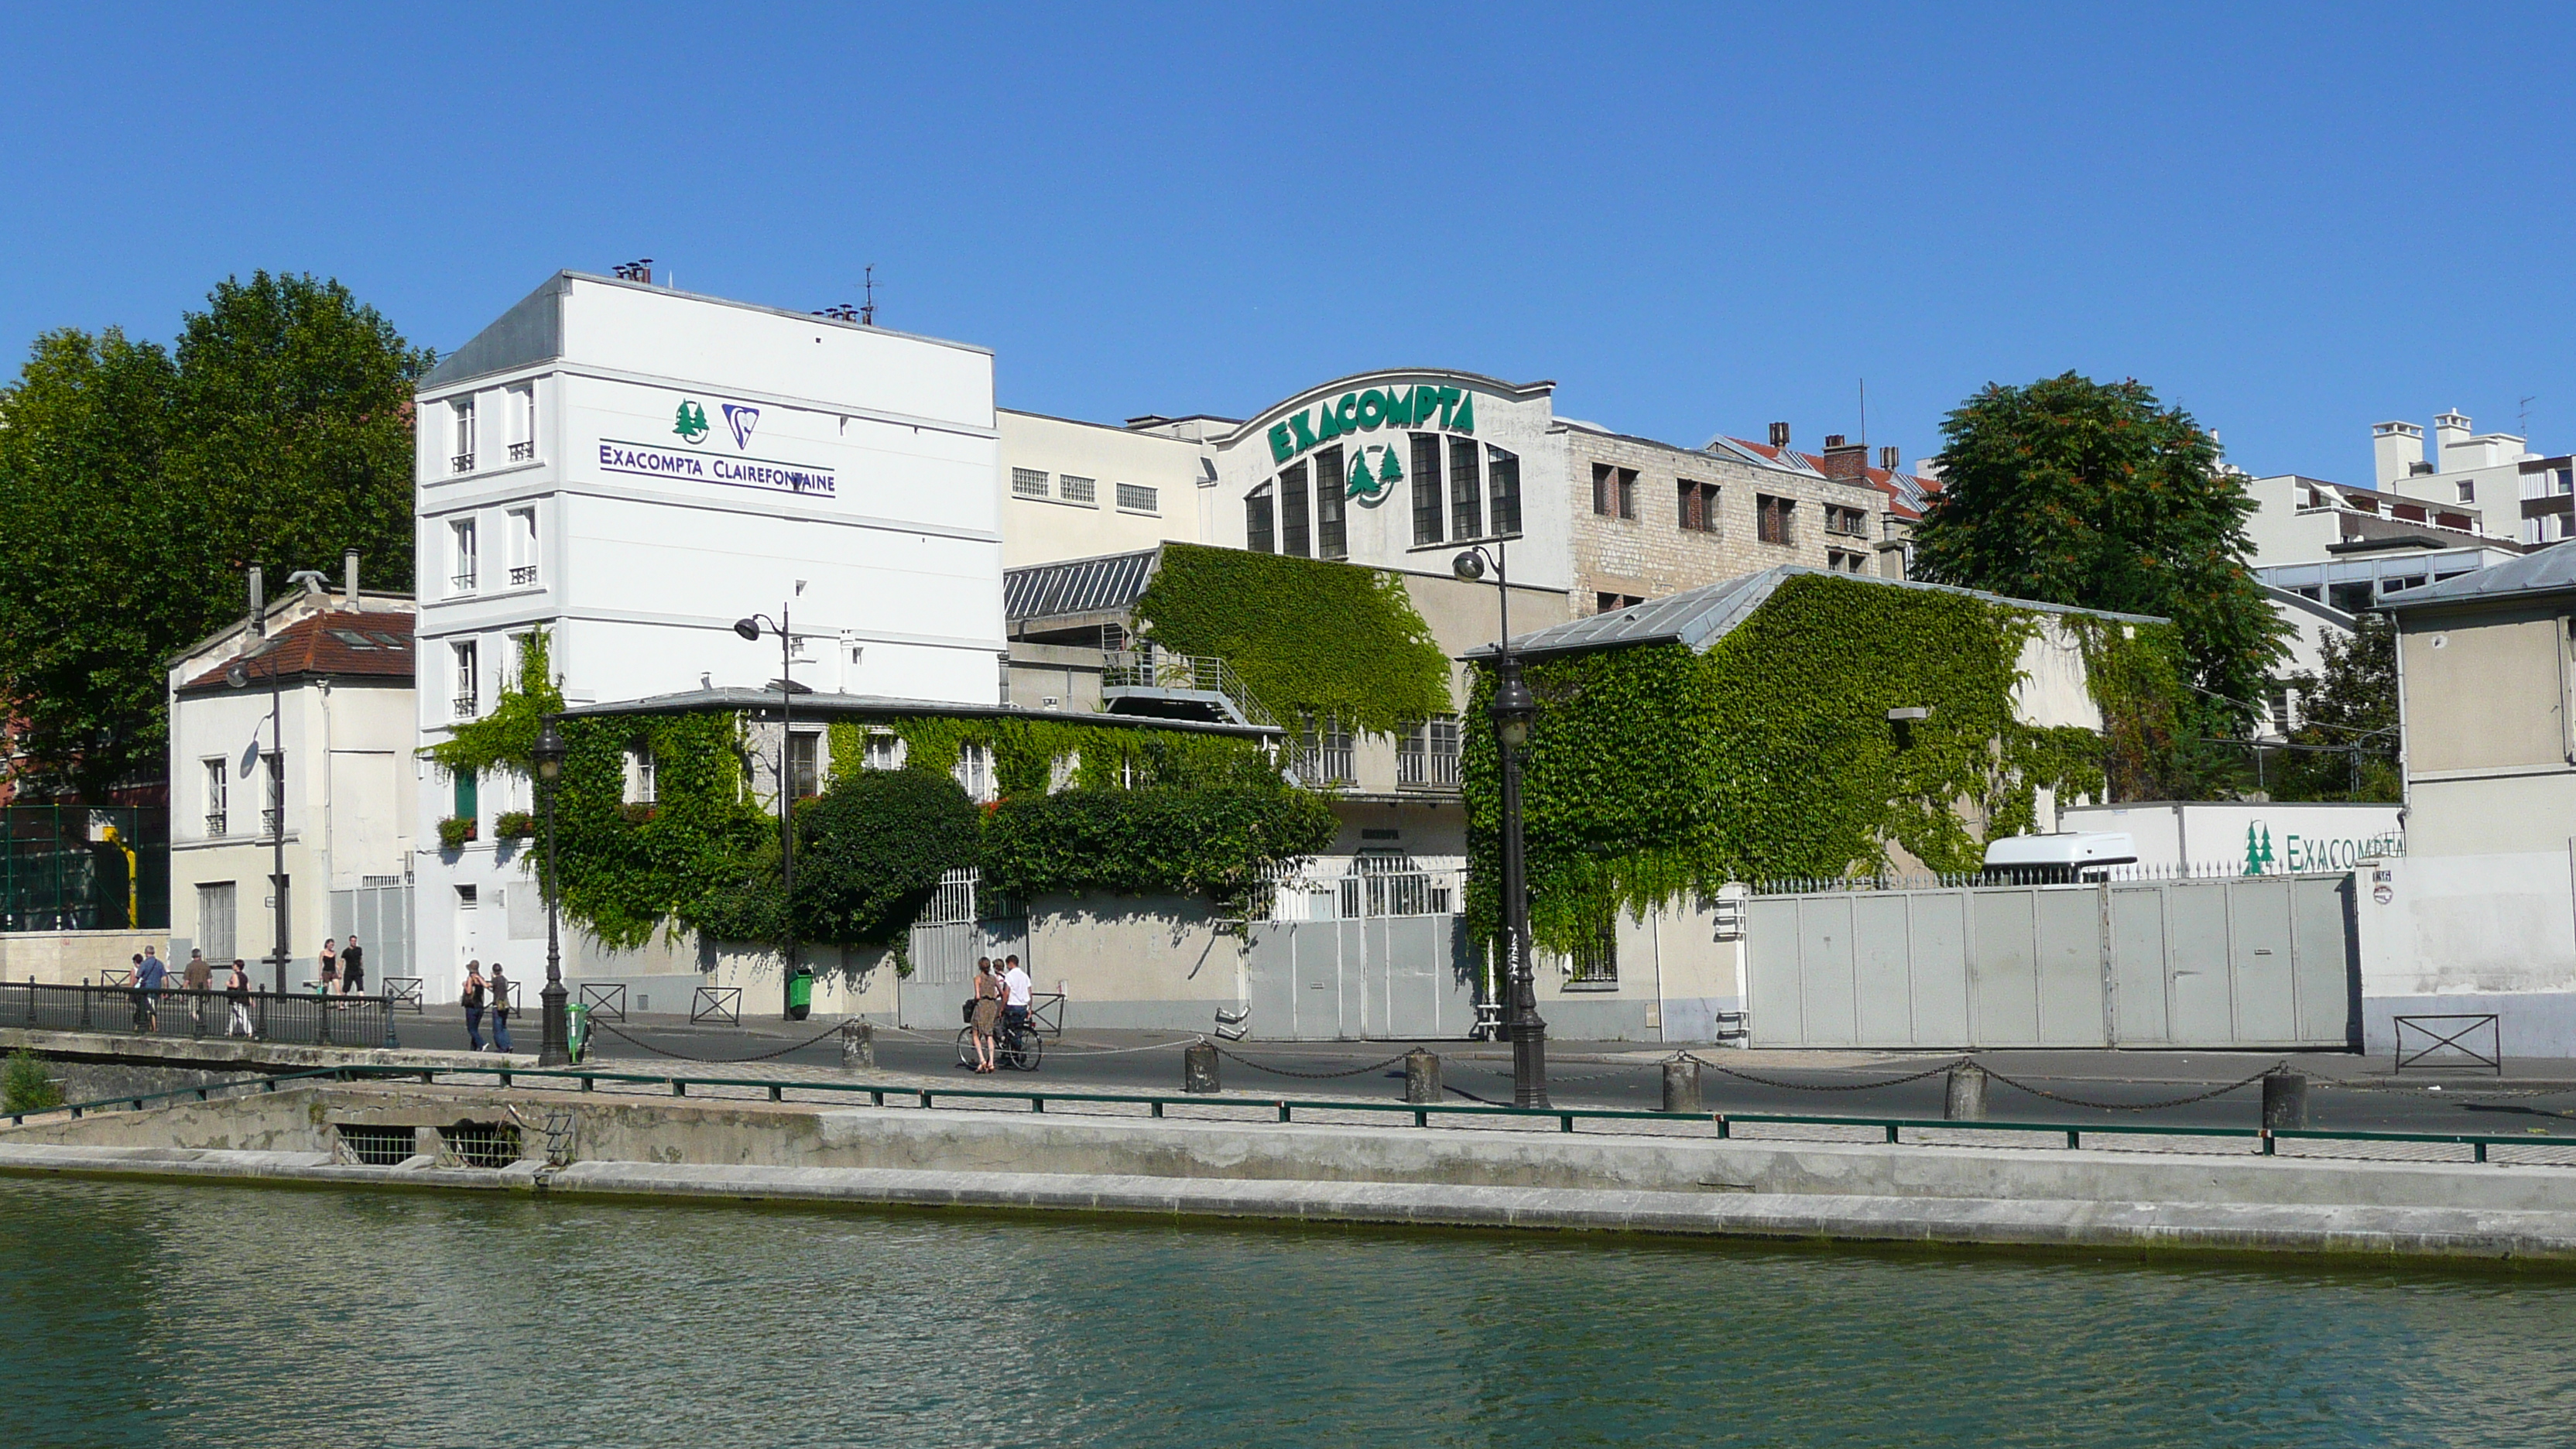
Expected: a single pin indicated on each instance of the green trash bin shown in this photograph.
(800, 994)
(577, 1029)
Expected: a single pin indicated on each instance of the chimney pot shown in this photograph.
(1833, 440)
(1887, 459)
(1779, 435)
(349, 572)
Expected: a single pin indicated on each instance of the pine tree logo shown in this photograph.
(2258, 848)
(1370, 487)
(692, 422)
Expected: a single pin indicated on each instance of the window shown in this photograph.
(974, 771)
(1614, 491)
(1332, 539)
(468, 688)
(1077, 490)
(1427, 756)
(1028, 483)
(461, 416)
(215, 920)
(469, 802)
(1292, 513)
(461, 562)
(1595, 962)
(1849, 563)
(218, 797)
(1324, 753)
(2351, 598)
(1137, 498)
(1849, 522)
(641, 788)
(1259, 534)
(2469, 492)
(884, 751)
(523, 547)
(1613, 603)
(1699, 506)
(1426, 488)
(523, 422)
(272, 815)
(1503, 482)
(1777, 517)
(1466, 491)
(804, 763)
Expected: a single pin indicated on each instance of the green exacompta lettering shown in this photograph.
(1282, 447)
(1367, 412)
(1305, 435)
(1372, 408)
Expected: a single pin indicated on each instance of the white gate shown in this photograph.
(1374, 954)
(378, 913)
(944, 944)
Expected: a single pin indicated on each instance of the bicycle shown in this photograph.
(1020, 1047)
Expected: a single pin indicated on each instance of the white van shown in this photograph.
(2061, 859)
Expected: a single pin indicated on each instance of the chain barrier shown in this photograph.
(1816, 1086)
(2136, 1106)
(832, 1030)
(1310, 1076)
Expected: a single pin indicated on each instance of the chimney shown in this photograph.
(349, 571)
(2451, 432)
(2396, 450)
(1845, 459)
(258, 604)
(1887, 459)
(1780, 435)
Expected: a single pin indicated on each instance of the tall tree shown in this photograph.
(2348, 720)
(136, 483)
(2078, 492)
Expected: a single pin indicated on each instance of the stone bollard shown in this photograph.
(2285, 1102)
(1963, 1098)
(1198, 1068)
(858, 1047)
(1681, 1085)
(1421, 1077)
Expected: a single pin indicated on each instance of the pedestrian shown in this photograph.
(237, 995)
(198, 976)
(150, 976)
(500, 1009)
(988, 1012)
(1015, 997)
(472, 1001)
(353, 969)
(330, 965)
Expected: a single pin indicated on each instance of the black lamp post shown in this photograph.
(554, 1046)
(1512, 711)
(788, 689)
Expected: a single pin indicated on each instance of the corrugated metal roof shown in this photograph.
(817, 704)
(2550, 571)
(1700, 617)
(1077, 586)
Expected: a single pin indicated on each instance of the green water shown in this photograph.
(205, 1317)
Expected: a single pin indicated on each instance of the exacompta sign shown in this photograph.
(643, 460)
(1400, 407)
(2301, 853)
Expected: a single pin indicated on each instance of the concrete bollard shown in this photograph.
(1963, 1097)
(1421, 1077)
(858, 1047)
(2285, 1102)
(1681, 1085)
(1198, 1068)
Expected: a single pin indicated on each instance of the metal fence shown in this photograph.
(300, 1017)
(2013, 875)
(1152, 668)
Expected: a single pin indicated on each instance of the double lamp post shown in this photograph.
(1512, 710)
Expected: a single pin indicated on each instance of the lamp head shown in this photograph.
(237, 677)
(747, 628)
(1469, 565)
(1513, 709)
(549, 752)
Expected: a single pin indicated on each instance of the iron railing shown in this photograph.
(522, 575)
(522, 452)
(2016, 875)
(299, 1017)
(1151, 668)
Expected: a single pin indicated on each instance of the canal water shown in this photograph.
(205, 1317)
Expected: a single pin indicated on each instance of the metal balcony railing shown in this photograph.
(461, 463)
(465, 706)
(1196, 673)
(462, 583)
(216, 822)
(523, 575)
(522, 452)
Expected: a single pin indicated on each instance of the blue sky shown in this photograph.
(2294, 221)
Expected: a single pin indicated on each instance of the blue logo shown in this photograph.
(743, 419)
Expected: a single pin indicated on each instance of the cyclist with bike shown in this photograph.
(1015, 998)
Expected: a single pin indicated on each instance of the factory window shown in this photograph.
(1614, 491)
(1293, 539)
(1699, 506)
(1503, 484)
(1258, 524)
(1426, 488)
(1466, 492)
(1137, 498)
(1331, 537)
(461, 415)
(1028, 483)
(1077, 490)
(1777, 517)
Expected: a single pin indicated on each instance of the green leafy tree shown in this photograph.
(870, 851)
(136, 483)
(2348, 707)
(2072, 491)
(25, 1086)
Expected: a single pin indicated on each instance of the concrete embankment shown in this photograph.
(220, 1053)
(1327, 1172)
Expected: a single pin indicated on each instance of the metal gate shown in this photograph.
(2261, 961)
(378, 913)
(1375, 954)
(944, 944)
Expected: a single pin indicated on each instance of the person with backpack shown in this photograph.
(500, 1009)
(472, 1001)
(237, 995)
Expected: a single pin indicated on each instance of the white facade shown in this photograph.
(2227, 837)
(1080, 490)
(632, 469)
(2528, 497)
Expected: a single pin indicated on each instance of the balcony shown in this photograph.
(268, 822)
(461, 583)
(1163, 685)
(464, 706)
(461, 463)
(523, 576)
(522, 452)
(217, 822)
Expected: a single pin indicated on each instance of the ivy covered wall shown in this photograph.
(1652, 771)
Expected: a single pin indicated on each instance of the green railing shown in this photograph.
(1286, 1108)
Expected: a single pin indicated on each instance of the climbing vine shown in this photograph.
(1309, 637)
(1653, 771)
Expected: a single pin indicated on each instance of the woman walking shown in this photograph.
(330, 966)
(988, 1012)
(472, 1001)
(237, 995)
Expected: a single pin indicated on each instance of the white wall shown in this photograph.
(2211, 836)
(2473, 933)
(1043, 530)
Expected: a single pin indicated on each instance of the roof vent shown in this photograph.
(1887, 459)
(1779, 435)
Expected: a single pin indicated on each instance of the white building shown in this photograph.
(2529, 496)
(632, 469)
(335, 770)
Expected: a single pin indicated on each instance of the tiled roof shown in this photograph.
(333, 644)
(1077, 586)
(1907, 494)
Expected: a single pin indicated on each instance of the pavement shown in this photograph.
(2347, 1092)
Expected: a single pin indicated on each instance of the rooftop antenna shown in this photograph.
(868, 302)
(1864, 417)
(2525, 426)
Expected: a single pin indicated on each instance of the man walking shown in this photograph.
(353, 970)
(150, 975)
(198, 977)
(237, 996)
(500, 1009)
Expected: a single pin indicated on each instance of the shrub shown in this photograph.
(454, 831)
(1212, 842)
(870, 852)
(26, 1087)
(514, 825)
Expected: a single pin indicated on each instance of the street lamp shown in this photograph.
(238, 677)
(1512, 710)
(554, 1046)
(788, 689)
